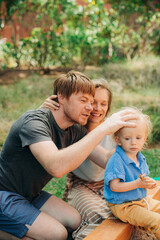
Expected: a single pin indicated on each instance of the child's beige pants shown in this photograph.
(144, 213)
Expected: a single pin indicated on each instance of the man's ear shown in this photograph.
(60, 98)
(117, 140)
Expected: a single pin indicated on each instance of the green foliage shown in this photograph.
(139, 26)
(69, 34)
(138, 6)
(38, 49)
(12, 53)
(153, 159)
(9, 7)
(155, 134)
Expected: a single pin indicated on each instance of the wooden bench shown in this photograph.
(111, 229)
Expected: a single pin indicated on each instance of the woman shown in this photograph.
(84, 186)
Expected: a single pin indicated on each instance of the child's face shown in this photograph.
(132, 139)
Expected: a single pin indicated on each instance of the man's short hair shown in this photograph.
(73, 82)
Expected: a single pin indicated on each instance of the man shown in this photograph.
(43, 144)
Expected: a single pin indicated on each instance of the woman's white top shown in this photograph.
(90, 171)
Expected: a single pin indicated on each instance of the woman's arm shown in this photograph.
(100, 156)
(117, 186)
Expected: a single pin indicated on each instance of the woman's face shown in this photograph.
(100, 106)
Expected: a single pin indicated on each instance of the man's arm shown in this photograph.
(59, 162)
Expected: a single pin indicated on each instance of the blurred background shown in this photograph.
(117, 40)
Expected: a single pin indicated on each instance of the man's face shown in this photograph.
(78, 107)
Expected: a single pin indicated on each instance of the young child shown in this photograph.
(126, 178)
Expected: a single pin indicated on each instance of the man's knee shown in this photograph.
(77, 222)
(74, 222)
(59, 234)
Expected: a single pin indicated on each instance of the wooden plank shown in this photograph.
(111, 229)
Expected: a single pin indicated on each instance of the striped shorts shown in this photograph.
(87, 198)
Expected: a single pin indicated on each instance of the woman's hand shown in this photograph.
(51, 103)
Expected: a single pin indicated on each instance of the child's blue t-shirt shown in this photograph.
(121, 166)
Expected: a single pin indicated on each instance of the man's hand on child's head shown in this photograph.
(121, 119)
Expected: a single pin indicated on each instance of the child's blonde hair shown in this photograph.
(142, 116)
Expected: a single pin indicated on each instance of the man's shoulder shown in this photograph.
(32, 119)
(35, 114)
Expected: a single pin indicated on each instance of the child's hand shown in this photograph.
(51, 103)
(151, 183)
(146, 182)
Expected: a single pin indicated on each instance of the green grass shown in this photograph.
(134, 83)
(56, 186)
(153, 159)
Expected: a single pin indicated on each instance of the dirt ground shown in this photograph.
(140, 234)
(10, 76)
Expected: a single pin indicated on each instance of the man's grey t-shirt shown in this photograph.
(20, 172)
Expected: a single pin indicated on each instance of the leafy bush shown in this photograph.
(65, 33)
